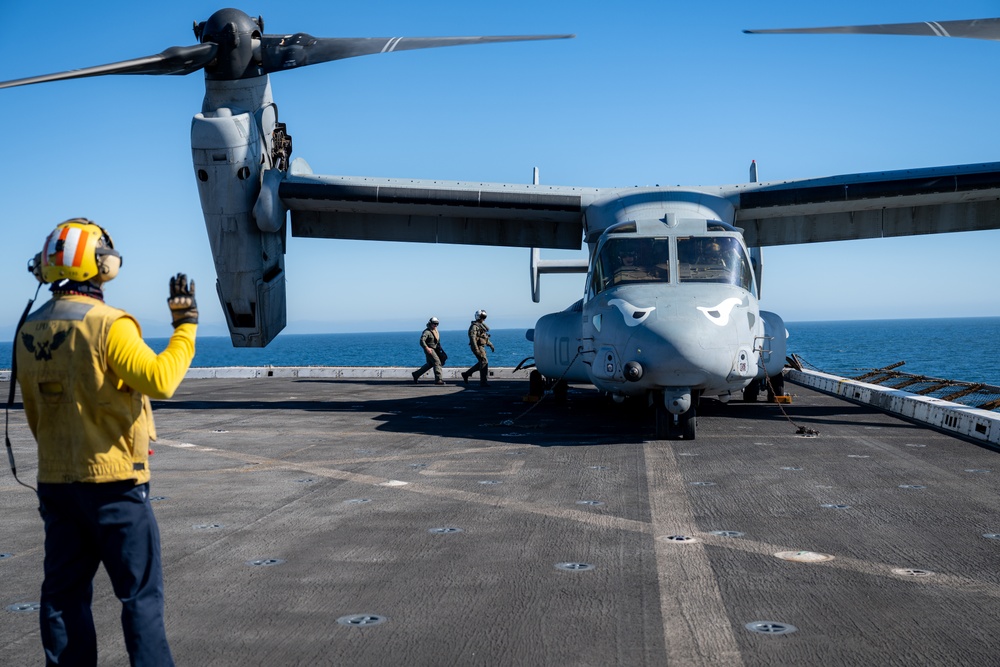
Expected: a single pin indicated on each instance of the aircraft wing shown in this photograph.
(863, 206)
(837, 208)
(386, 209)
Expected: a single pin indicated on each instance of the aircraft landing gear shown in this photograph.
(676, 427)
(775, 387)
(536, 385)
(669, 426)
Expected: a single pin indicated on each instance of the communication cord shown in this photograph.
(13, 386)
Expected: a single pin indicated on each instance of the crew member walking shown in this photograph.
(430, 341)
(86, 376)
(479, 340)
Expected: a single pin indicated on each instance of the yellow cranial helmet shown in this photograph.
(78, 250)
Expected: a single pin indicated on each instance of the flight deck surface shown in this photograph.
(311, 521)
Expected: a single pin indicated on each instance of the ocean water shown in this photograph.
(962, 349)
(358, 349)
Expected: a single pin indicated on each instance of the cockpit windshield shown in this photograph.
(632, 260)
(712, 259)
(700, 259)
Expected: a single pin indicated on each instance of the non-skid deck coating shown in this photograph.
(402, 524)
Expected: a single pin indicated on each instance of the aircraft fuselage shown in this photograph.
(669, 312)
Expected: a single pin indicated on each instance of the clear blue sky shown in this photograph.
(648, 93)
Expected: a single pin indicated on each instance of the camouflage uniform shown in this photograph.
(479, 340)
(430, 339)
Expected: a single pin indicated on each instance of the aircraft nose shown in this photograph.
(682, 346)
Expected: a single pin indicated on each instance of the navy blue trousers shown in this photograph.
(89, 524)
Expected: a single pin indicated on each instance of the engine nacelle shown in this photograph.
(226, 149)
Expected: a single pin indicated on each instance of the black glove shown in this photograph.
(183, 307)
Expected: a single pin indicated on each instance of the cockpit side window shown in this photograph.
(713, 259)
(632, 260)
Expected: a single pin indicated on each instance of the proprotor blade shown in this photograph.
(281, 52)
(175, 60)
(972, 29)
(232, 48)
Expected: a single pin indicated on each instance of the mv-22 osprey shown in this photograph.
(669, 312)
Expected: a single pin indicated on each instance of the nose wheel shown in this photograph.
(675, 427)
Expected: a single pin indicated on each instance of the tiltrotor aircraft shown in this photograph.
(669, 312)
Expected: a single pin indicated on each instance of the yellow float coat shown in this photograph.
(86, 377)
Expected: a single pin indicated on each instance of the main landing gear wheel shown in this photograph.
(751, 391)
(536, 384)
(775, 387)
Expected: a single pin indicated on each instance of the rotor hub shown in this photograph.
(238, 38)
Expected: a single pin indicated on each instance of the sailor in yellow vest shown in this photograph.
(86, 377)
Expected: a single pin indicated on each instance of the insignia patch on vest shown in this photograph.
(43, 349)
(138, 466)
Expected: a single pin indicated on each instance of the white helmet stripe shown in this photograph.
(72, 240)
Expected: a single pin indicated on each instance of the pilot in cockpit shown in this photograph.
(711, 255)
(631, 269)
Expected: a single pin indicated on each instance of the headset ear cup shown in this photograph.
(107, 267)
(35, 267)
